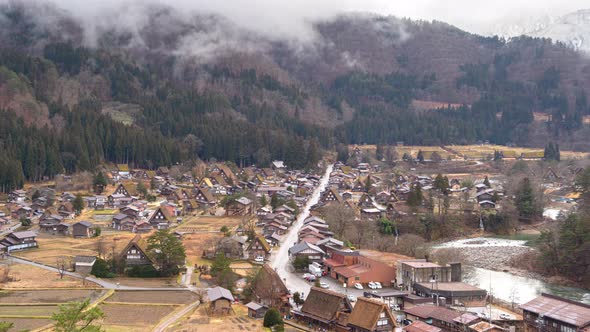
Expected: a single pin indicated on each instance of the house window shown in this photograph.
(382, 322)
(565, 328)
(133, 256)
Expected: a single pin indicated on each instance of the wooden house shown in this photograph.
(239, 207)
(256, 310)
(19, 241)
(220, 301)
(83, 229)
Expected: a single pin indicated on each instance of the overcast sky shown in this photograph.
(290, 16)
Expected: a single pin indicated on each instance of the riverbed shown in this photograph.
(486, 263)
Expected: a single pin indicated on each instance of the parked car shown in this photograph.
(378, 284)
(351, 298)
(309, 277)
(506, 316)
(259, 259)
(372, 285)
(358, 286)
(324, 285)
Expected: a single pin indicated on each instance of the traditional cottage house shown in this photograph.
(126, 189)
(258, 247)
(322, 309)
(123, 222)
(220, 300)
(161, 218)
(269, 290)
(331, 195)
(136, 254)
(66, 210)
(204, 197)
(370, 315)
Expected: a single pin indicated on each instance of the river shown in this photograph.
(509, 287)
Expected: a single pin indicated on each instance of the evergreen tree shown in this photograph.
(486, 181)
(167, 250)
(379, 152)
(415, 195)
(420, 156)
(78, 204)
(525, 199)
(99, 182)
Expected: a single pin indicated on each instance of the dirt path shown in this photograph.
(170, 320)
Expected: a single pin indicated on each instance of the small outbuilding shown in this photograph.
(256, 310)
(220, 300)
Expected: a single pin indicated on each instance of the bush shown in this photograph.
(97, 231)
(272, 318)
(101, 269)
(301, 263)
(142, 271)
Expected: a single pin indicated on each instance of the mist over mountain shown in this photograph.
(213, 84)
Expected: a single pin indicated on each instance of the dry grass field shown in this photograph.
(194, 244)
(30, 310)
(146, 282)
(473, 152)
(199, 321)
(26, 276)
(53, 247)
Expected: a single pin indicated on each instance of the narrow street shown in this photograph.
(280, 258)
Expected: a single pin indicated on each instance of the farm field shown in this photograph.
(47, 296)
(199, 320)
(202, 224)
(29, 310)
(26, 276)
(26, 324)
(141, 317)
(473, 152)
(164, 297)
(53, 247)
(146, 282)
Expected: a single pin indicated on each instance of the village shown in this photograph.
(358, 244)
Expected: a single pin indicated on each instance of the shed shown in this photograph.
(256, 310)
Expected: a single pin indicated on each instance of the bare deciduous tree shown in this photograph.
(338, 217)
(62, 264)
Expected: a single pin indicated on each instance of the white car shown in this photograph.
(372, 285)
(378, 284)
(259, 259)
(351, 298)
(324, 285)
(506, 316)
(358, 286)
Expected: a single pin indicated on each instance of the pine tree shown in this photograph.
(78, 204)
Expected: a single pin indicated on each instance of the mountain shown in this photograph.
(161, 87)
(573, 29)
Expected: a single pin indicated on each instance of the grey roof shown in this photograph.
(84, 259)
(23, 234)
(84, 223)
(217, 293)
(254, 306)
(330, 240)
(301, 246)
(244, 200)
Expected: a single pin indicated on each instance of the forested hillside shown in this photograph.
(255, 99)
